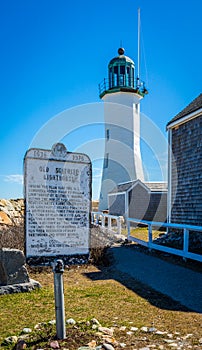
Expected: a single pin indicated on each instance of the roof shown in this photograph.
(152, 186)
(157, 186)
(121, 58)
(192, 107)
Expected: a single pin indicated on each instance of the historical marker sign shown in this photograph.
(58, 203)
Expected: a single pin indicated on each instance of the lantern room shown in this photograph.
(121, 71)
(121, 76)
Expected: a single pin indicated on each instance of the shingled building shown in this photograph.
(185, 165)
(139, 200)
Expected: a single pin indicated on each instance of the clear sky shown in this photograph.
(54, 54)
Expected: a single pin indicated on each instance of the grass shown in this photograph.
(142, 233)
(103, 298)
(94, 292)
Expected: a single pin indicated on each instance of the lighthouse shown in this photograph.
(121, 93)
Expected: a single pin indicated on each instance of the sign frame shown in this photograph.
(58, 196)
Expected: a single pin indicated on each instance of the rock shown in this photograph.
(52, 322)
(54, 344)
(160, 333)
(129, 333)
(122, 345)
(122, 328)
(95, 321)
(106, 330)
(134, 329)
(94, 326)
(12, 267)
(20, 287)
(11, 211)
(10, 340)
(109, 340)
(152, 329)
(107, 347)
(4, 218)
(169, 341)
(92, 344)
(26, 330)
(144, 329)
(71, 321)
(170, 335)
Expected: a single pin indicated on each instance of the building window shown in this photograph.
(106, 161)
(107, 134)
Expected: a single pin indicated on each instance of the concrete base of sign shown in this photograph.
(20, 287)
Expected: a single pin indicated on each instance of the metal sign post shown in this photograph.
(58, 269)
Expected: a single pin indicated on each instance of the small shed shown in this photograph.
(185, 165)
(139, 200)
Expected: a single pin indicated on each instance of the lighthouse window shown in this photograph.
(132, 78)
(106, 161)
(115, 75)
(122, 69)
(128, 77)
(116, 70)
(107, 134)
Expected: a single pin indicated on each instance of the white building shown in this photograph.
(121, 94)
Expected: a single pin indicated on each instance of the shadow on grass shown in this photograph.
(154, 297)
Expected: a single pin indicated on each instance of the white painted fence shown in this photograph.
(104, 220)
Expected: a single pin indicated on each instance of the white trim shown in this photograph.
(160, 191)
(116, 193)
(185, 119)
(139, 182)
(127, 182)
(169, 198)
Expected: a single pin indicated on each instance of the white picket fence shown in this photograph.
(105, 221)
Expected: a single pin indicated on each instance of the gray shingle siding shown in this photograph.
(187, 152)
(139, 199)
(157, 209)
(146, 201)
(117, 204)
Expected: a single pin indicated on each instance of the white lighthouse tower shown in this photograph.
(121, 94)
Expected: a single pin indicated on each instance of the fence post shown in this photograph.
(109, 223)
(186, 243)
(119, 225)
(92, 218)
(150, 235)
(128, 229)
(96, 219)
(103, 221)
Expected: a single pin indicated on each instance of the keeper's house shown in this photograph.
(139, 200)
(185, 165)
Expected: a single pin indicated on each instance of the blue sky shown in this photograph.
(54, 54)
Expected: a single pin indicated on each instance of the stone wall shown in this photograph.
(11, 211)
